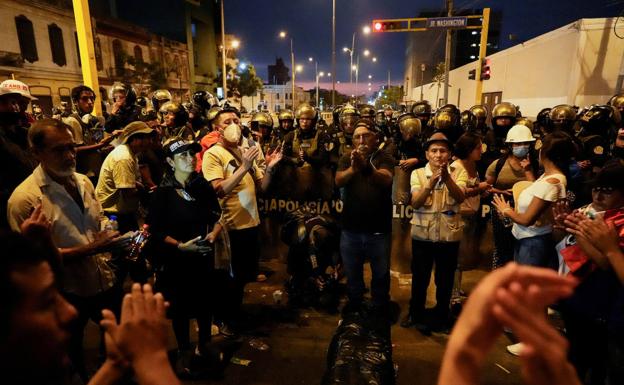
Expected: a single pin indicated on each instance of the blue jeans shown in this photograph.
(355, 248)
(536, 251)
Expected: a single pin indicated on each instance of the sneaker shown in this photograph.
(515, 349)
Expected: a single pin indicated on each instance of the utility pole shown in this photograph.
(223, 72)
(482, 54)
(447, 55)
(351, 60)
(84, 31)
(334, 53)
(422, 80)
(294, 71)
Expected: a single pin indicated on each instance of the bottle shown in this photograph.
(138, 242)
(112, 223)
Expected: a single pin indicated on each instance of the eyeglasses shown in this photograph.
(603, 190)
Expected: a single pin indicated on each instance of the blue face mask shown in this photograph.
(520, 151)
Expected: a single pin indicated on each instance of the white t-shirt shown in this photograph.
(542, 189)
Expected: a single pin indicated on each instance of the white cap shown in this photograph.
(18, 87)
(519, 134)
(6, 91)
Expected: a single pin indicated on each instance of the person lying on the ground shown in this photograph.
(514, 296)
(35, 321)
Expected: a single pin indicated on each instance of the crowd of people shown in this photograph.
(166, 193)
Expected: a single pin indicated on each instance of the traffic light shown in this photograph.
(386, 26)
(485, 69)
(472, 74)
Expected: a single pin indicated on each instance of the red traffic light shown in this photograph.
(377, 26)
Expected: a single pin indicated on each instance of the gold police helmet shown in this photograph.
(562, 112)
(617, 101)
(504, 110)
(161, 95)
(409, 125)
(262, 118)
(285, 115)
(479, 111)
(367, 111)
(305, 111)
(444, 120)
(212, 113)
(170, 107)
(526, 122)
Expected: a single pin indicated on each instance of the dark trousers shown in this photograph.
(90, 308)
(355, 248)
(424, 255)
(245, 251)
(504, 241)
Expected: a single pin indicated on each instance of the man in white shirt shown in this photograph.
(68, 200)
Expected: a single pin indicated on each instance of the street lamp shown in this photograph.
(282, 35)
(366, 52)
(370, 76)
(374, 60)
(235, 44)
(366, 30)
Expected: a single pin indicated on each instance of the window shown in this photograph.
(56, 44)
(138, 54)
(77, 49)
(277, 96)
(98, 54)
(118, 55)
(26, 37)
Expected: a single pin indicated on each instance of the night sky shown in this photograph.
(257, 23)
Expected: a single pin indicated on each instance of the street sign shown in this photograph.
(447, 22)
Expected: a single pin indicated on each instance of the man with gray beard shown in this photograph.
(68, 200)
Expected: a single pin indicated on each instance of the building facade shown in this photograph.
(39, 46)
(275, 97)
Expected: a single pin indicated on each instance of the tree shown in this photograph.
(249, 83)
(392, 95)
(246, 82)
(439, 78)
(144, 73)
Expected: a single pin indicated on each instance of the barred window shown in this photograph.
(138, 54)
(26, 38)
(77, 49)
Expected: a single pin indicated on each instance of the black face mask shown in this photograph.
(618, 152)
(9, 118)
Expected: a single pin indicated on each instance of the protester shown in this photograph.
(513, 167)
(120, 181)
(183, 219)
(437, 192)
(365, 178)
(35, 326)
(235, 177)
(68, 199)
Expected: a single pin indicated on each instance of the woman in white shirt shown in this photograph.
(532, 218)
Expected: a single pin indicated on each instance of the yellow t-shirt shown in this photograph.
(239, 207)
(120, 170)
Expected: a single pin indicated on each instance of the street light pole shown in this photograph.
(357, 75)
(447, 56)
(334, 52)
(422, 78)
(351, 60)
(223, 73)
(294, 71)
(317, 82)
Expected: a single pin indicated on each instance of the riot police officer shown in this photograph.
(468, 121)
(286, 123)
(367, 113)
(261, 127)
(422, 110)
(142, 102)
(596, 124)
(503, 118)
(562, 118)
(349, 115)
(406, 144)
(447, 120)
(542, 124)
(124, 110)
(204, 100)
(174, 119)
(481, 114)
(304, 144)
(160, 97)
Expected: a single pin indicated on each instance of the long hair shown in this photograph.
(559, 148)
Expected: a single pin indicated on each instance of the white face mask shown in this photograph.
(232, 133)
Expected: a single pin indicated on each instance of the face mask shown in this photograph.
(232, 133)
(520, 151)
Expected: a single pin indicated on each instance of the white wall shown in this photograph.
(576, 64)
